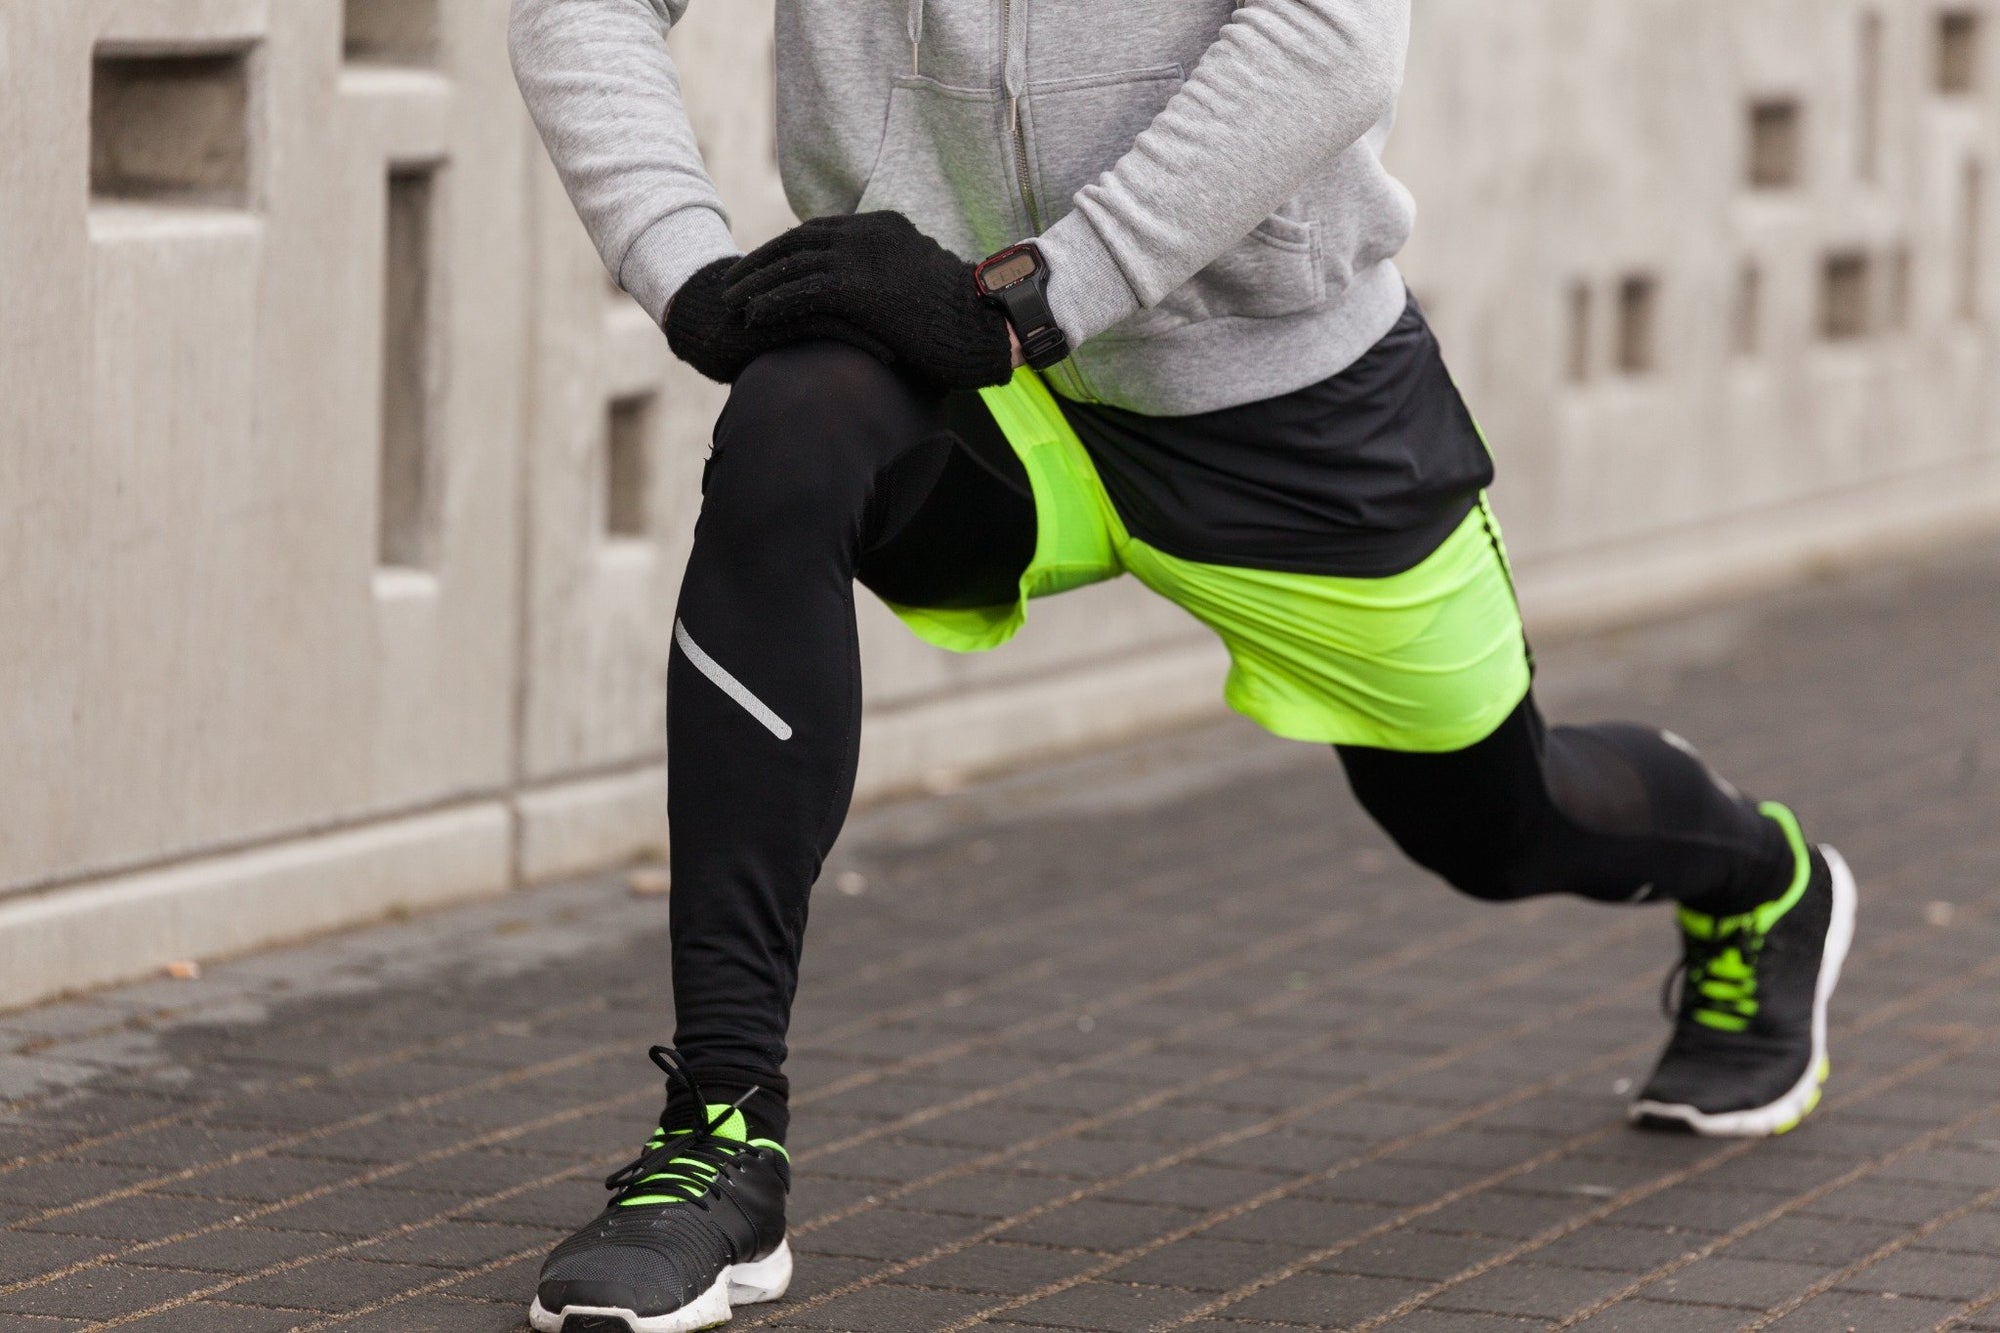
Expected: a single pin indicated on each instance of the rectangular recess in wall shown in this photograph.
(1638, 319)
(1959, 42)
(408, 369)
(1868, 127)
(1776, 150)
(393, 32)
(171, 128)
(628, 467)
(1747, 334)
(1971, 223)
(1900, 279)
(1579, 332)
(1844, 296)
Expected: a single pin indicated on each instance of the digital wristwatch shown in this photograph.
(1017, 281)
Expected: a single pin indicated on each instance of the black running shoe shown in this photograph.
(695, 1226)
(1748, 1055)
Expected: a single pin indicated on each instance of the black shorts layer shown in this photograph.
(1361, 475)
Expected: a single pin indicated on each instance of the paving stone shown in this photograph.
(1324, 1298)
(1928, 1273)
(889, 1233)
(439, 1315)
(1098, 1224)
(987, 1194)
(1855, 1313)
(30, 1254)
(892, 1309)
(1757, 1284)
(1660, 1317)
(1414, 1254)
(1107, 1306)
(1001, 1268)
(240, 1250)
(1206, 1263)
(103, 1292)
(145, 1217)
(1529, 1289)
(221, 1317)
(332, 1285)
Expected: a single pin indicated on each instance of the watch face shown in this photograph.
(1006, 272)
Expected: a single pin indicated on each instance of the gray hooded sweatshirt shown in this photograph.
(1204, 176)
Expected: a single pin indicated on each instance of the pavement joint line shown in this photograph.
(1171, 879)
(235, 1280)
(499, 1135)
(1164, 881)
(1270, 1004)
(1538, 1241)
(1220, 1074)
(591, 1054)
(300, 1083)
(436, 1286)
(383, 1172)
(1882, 1013)
(506, 1078)
(1276, 945)
(1975, 1307)
(1440, 1060)
(1743, 1230)
(1207, 1222)
(1887, 1011)
(1822, 1285)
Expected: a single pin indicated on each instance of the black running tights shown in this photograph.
(828, 469)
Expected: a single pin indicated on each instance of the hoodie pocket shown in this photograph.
(943, 164)
(1272, 272)
(1080, 128)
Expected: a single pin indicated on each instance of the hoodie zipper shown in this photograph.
(1020, 143)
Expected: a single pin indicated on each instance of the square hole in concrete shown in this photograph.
(1844, 296)
(1748, 334)
(1958, 51)
(1638, 316)
(1579, 333)
(628, 468)
(1776, 151)
(171, 128)
(394, 32)
(409, 357)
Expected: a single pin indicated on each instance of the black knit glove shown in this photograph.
(877, 273)
(709, 334)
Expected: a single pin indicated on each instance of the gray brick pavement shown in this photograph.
(1161, 1038)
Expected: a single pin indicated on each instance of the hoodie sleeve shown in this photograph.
(1288, 86)
(604, 93)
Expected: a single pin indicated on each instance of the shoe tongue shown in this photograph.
(731, 1124)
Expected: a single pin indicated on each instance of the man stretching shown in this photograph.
(1088, 290)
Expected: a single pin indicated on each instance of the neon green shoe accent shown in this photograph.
(690, 1177)
(1428, 660)
(1728, 982)
(1824, 1072)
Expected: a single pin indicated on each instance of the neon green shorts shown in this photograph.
(1430, 660)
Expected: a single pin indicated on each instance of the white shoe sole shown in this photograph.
(739, 1284)
(1785, 1113)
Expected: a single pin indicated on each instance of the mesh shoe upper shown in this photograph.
(1743, 1031)
(705, 1194)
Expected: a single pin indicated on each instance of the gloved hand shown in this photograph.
(876, 273)
(709, 334)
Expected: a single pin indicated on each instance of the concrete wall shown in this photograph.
(342, 499)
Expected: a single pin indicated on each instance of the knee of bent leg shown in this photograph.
(1491, 866)
(805, 430)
